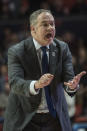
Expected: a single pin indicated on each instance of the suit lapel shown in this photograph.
(53, 58)
(32, 58)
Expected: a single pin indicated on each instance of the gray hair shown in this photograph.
(35, 14)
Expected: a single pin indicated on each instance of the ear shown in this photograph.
(32, 29)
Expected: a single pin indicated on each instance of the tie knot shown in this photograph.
(44, 48)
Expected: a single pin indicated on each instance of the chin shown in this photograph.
(47, 42)
(50, 41)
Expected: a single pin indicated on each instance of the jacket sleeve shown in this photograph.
(16, 74)
(67, 68)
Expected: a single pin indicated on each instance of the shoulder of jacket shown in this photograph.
(19, 46)
(60, 42)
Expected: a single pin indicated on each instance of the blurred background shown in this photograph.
(71, 27)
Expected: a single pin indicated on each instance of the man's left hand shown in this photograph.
(75, 81)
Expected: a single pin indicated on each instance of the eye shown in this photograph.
(45, 24)
(52, 24)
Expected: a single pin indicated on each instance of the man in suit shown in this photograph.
(39, 69)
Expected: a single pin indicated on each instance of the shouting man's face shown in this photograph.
(44, 30)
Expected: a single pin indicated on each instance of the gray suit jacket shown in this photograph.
(23, 67)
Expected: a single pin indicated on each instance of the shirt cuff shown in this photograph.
(32, 89)
(72, 90)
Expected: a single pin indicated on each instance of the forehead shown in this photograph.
(45, 17)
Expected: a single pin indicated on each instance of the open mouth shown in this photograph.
(49, 35)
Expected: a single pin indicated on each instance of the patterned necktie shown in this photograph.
(45, 69)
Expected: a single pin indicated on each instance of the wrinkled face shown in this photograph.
(44, 30)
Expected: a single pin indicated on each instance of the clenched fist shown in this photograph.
(44, 81)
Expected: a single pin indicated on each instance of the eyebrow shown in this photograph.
(43, 21)
(46, 21)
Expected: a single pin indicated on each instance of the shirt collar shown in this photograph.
(37, 45)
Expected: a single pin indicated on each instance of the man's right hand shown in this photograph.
(44, 81)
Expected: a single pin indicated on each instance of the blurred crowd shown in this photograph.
(20, 8)
(9, 35)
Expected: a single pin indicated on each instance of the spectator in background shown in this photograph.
(81, 97)
(4, 90)
(3, 104)
(44, 5)
(80, 8)
(6, 12)
(70, 38)
(57, 8)
(24, 9)
(3, 77)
